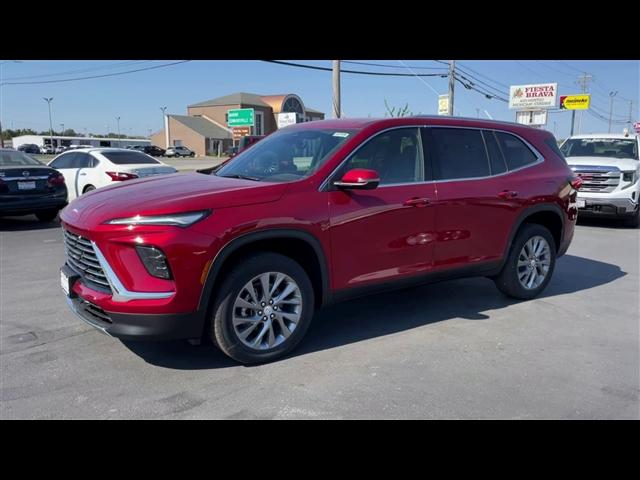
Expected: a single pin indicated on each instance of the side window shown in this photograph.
(396, 155)
(458, 153)
(63, 161)
(82, 160)
(516, 153)
(496, 160)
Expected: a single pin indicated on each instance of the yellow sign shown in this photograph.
(575, 102)
(443, 105)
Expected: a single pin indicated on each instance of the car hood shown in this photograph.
(167, 194)
(620, 163)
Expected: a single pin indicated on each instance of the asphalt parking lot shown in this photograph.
(456, 349)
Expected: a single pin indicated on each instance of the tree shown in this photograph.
(396, 111)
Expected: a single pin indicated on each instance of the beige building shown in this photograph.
(204, 129)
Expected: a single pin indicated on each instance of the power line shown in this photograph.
(97, 76)
(419, 78)
(393, 66)
(361, 72)
(484, 76)
(471, 86)
(84, 70)
(498, 91)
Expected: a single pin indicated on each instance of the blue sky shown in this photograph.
(137, 97)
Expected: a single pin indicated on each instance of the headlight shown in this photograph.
(175, 219)
(629, 177)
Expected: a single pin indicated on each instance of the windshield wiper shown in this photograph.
(243, 177)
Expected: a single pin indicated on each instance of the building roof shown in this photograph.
(311, 110)
(202, 126)
(239, 98)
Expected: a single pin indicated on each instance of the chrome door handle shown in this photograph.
(83, 174)
(416, 202)
(508, 194)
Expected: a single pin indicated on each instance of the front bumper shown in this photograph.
(602, 206)
(138, 326)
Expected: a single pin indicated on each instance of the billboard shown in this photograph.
(575, 102)
(240, 117)
(287, 118)
(533, 97)
(532, 117)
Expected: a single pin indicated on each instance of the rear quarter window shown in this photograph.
(516, 153)
(131, 157)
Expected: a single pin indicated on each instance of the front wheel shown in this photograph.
(264, 309)
(530, 263)
(634, 221)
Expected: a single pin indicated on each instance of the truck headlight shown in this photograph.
(629, 177)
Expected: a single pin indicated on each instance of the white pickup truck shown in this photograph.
(609, 168)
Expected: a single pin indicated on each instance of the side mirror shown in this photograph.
(359, 179)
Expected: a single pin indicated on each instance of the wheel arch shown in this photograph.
(299, 245)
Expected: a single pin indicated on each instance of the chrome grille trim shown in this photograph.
(598, 179)
(82, 258)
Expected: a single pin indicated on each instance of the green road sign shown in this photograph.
(240, 117)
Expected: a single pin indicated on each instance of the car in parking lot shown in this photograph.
(29, 148)
(313, 214)
(46, 150)
(28, 186)
(150, 150)
(179, 151)
(87, 169)
(609, 167)
(60, 149)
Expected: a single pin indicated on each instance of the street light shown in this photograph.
(119, 139)
(49, 100)
(611, 95)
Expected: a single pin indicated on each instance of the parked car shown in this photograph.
(245, 142)
(60, 149)
(315, 213)
(609, 167)
(46, 150)
(150, 150)
(91, 168)
(179, 151)
(28, 186)
(29, 148)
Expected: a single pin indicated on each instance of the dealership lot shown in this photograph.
(457, 349)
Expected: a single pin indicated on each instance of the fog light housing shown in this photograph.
(154, 261)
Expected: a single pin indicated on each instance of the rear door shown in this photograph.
(65, 164)
(476, 205)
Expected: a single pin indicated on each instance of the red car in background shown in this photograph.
(316, 213)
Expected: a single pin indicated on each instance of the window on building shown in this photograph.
(458, 153)
(258, 128)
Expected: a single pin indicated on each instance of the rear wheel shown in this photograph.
(264, 309)
(47, 215)
(530, 263)
(88, 188)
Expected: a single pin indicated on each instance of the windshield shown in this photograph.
(286, 156)
(601, 147)
(9, 158)
(131, 157)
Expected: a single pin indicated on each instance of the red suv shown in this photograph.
(316, 213)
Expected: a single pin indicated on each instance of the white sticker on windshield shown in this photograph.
(341, 134)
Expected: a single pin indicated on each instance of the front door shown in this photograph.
(386, 233)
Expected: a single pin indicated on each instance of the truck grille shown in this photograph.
(82, 258)
(598, 179)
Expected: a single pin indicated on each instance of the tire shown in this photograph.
(88, 188)
(192, 154)
(508, 281)
(227, 337)
(47, 215)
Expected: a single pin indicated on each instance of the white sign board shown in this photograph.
(286, 119)
(532, 117)
(443, 104)
(532, 97)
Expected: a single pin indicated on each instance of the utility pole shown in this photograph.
(62, 132)
(452, 84)
(165, 124)
(119, 138)
(583, 81)
(611, 95)
(49, 100)
(336, 89)
(630, 115)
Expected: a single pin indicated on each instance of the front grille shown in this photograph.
(82, 258)
(598, 181)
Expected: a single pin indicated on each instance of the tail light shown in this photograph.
(55, 179)
(121, 176)
(576, 182)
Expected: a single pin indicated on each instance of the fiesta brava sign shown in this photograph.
(543, 95)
